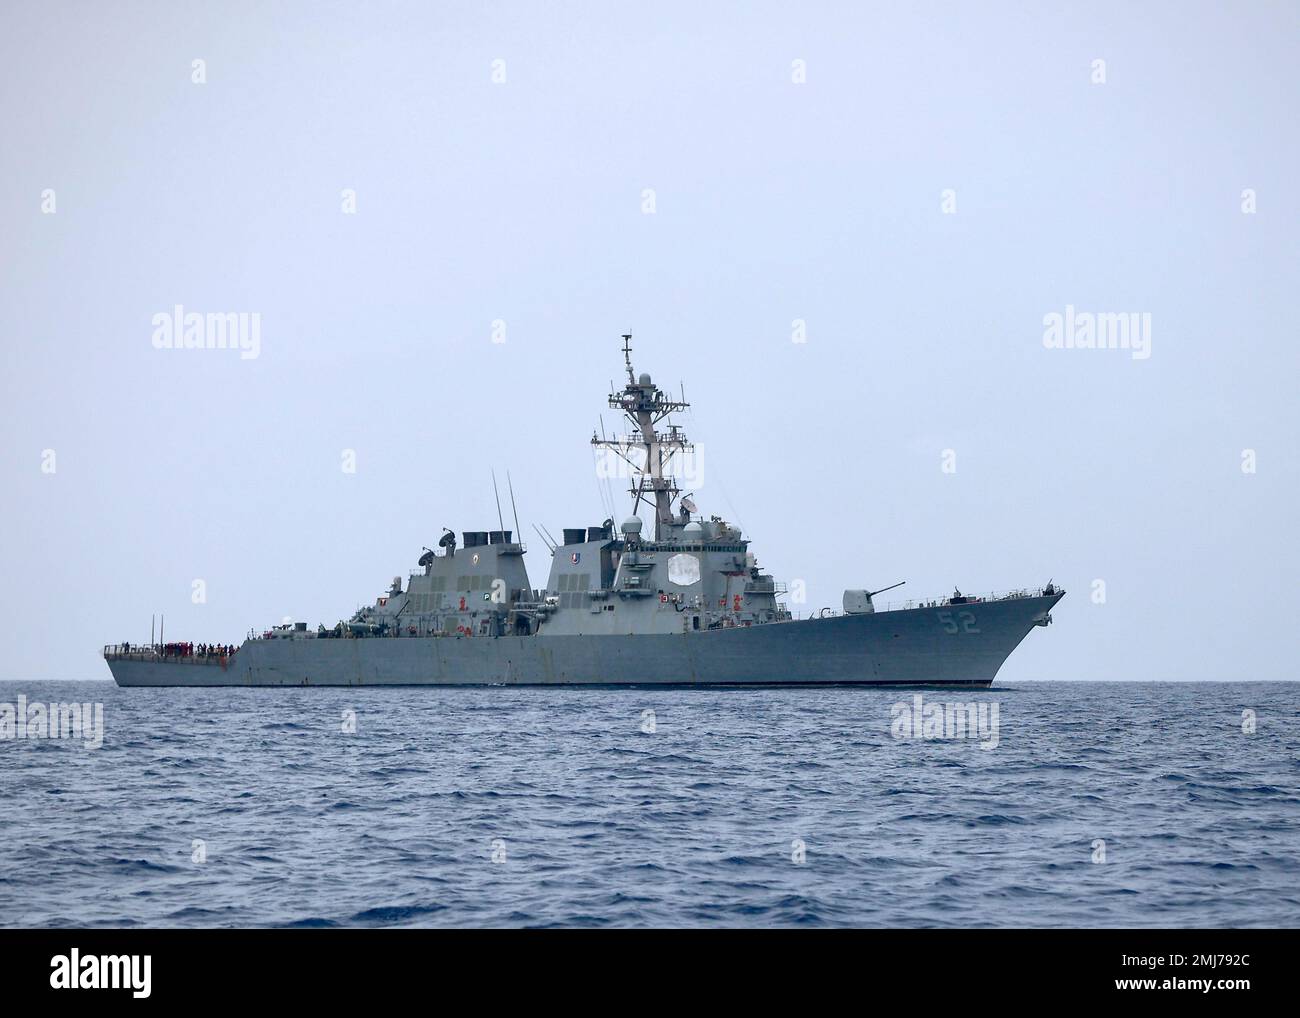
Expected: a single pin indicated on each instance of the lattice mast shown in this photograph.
(648, 452)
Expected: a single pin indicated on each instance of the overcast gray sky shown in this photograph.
(921, 185)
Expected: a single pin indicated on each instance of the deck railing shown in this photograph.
(946, 601)
(135, 652)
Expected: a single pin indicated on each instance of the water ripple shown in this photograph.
(771, 807)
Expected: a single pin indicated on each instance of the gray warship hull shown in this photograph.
(683, 602)
(915, 646)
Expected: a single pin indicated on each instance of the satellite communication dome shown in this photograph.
(632, 525)
(645, 379)
(692, 530)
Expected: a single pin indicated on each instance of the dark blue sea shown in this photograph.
(1102, 804)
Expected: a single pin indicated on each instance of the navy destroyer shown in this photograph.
(685, 604)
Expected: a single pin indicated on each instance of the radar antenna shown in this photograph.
(645, 405)
(627, 357)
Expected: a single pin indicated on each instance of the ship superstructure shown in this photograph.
(685, 603)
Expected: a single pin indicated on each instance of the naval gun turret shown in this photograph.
(858, 602)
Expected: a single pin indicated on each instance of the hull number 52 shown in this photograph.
(963, 623)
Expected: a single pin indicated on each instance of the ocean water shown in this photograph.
(766, 807)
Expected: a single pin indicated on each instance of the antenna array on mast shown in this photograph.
(645, 405)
